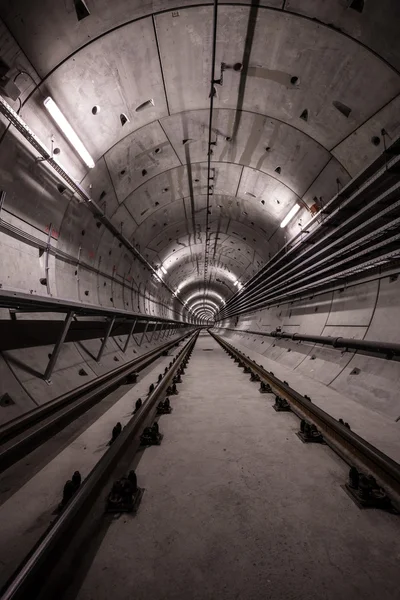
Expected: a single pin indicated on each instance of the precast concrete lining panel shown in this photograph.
(44, 127)
(324, 364)
(88, 283)
(294, 355)
(274, 198)
(62, 382)
(311, 314)
(138, 158)
(20, 267)
(116, 72)
(20, 400)
(327, 63)
(373, 382)
(327, 184)
(99, 185)
(366, 143)
(355, 332)
(26, 363)
(276, 350)
(31, 187)
(299, 155)
(67, 35)
(375, 26)
(67, 284)
(354, 306)
(385, 323)
(122, 220)
(79, 236)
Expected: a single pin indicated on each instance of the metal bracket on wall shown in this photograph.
(128, 337)
(57, 348)
(160, 331)
(105, 339)
(152, 335)
(143, 334)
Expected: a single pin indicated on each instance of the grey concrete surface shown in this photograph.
(26, 514)
(150, 179)
(151, 184)
(237, 507)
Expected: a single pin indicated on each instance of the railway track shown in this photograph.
(32, 577)
(352, 448)
(23, 434)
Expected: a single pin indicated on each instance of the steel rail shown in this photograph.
(350, 446)
(40, 422)
(37, 566)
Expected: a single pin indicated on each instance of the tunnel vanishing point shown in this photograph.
(225, 172)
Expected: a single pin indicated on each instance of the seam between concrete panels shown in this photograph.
(374, 309)
(195, 5)
(341, 371)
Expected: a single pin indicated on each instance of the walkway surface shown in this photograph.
(26, 514)
(236, 507)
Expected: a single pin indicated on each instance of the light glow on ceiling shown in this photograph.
(294, 210)
(67, 130)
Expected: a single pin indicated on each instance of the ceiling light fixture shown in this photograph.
(67, 130)
(163, 269)
(290, 215)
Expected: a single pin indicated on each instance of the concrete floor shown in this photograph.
(237, 507)
(380, 430)
(26, 514)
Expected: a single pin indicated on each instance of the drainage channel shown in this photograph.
(374, 478)
(84, 506)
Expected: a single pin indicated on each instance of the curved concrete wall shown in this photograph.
(95, 268)
(367, 311)
(21, 370)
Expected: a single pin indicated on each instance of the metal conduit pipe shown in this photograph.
(390, 350)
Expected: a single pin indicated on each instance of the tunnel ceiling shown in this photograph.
(307, 87)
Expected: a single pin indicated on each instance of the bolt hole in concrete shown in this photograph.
(6, 400)
(123, 118)
(208, 350)
(95, 110)
(145, 105)
(43, 281)
(82, 372)
(355, 371)
(357, 5)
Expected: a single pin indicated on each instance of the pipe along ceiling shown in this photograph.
(180, 151)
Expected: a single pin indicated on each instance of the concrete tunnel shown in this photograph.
(169, 167)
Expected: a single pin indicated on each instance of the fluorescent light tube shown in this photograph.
(163, 269)
(67, 130)
(290, 215)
